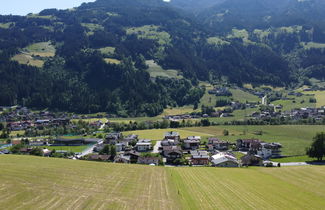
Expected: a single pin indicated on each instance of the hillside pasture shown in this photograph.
(6, 25)
(312, 45)
(320, 97)
(42, 49)
(156, 70)
(242, 96)
(208, 99)
(296, 102)
(107, 50)
(27, 59)
(150, 32)
(112, 61)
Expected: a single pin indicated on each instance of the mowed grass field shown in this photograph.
(47, 183)
(252, 188)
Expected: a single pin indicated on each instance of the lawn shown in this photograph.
(74, 149)
(302, 158)
(48, 183)
(158, 134)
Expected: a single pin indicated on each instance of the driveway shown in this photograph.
(156, 147)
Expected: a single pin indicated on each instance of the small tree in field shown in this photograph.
(317, 148)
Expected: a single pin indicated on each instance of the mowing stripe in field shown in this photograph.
(214, 188)
(47, 183)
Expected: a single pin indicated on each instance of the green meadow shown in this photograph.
(294, 138)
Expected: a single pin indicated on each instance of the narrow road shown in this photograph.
(89, 150)
(156, 147)
(103, 125)
(297, 164)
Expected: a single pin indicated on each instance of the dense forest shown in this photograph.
(99, 52)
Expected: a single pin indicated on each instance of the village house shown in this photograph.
(96, 157)
(199, 157)
(248, 144)
(251, 160)
(172, 135)
(122, 158)
(143, 145)
(15, 141)
(134, 155)
(217, 144)
(131, 138)
(171, 153)
(38, 143)
(112, 138)
(268, 150)
(169, 142)
(148, 160)
(119, 147)
(224, 159)
(46, 152)
(192, 143)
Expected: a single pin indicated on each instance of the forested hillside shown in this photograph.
(93, 58)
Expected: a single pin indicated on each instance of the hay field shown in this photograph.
(47, 183)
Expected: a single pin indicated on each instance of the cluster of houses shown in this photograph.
(222, 91)
(317, 114)
(192, 150)
(21, 118)
(172, 149)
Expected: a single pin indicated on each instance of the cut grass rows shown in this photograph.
(47, 183)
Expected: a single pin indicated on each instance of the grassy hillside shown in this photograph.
(42, 183)
(157, 71)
